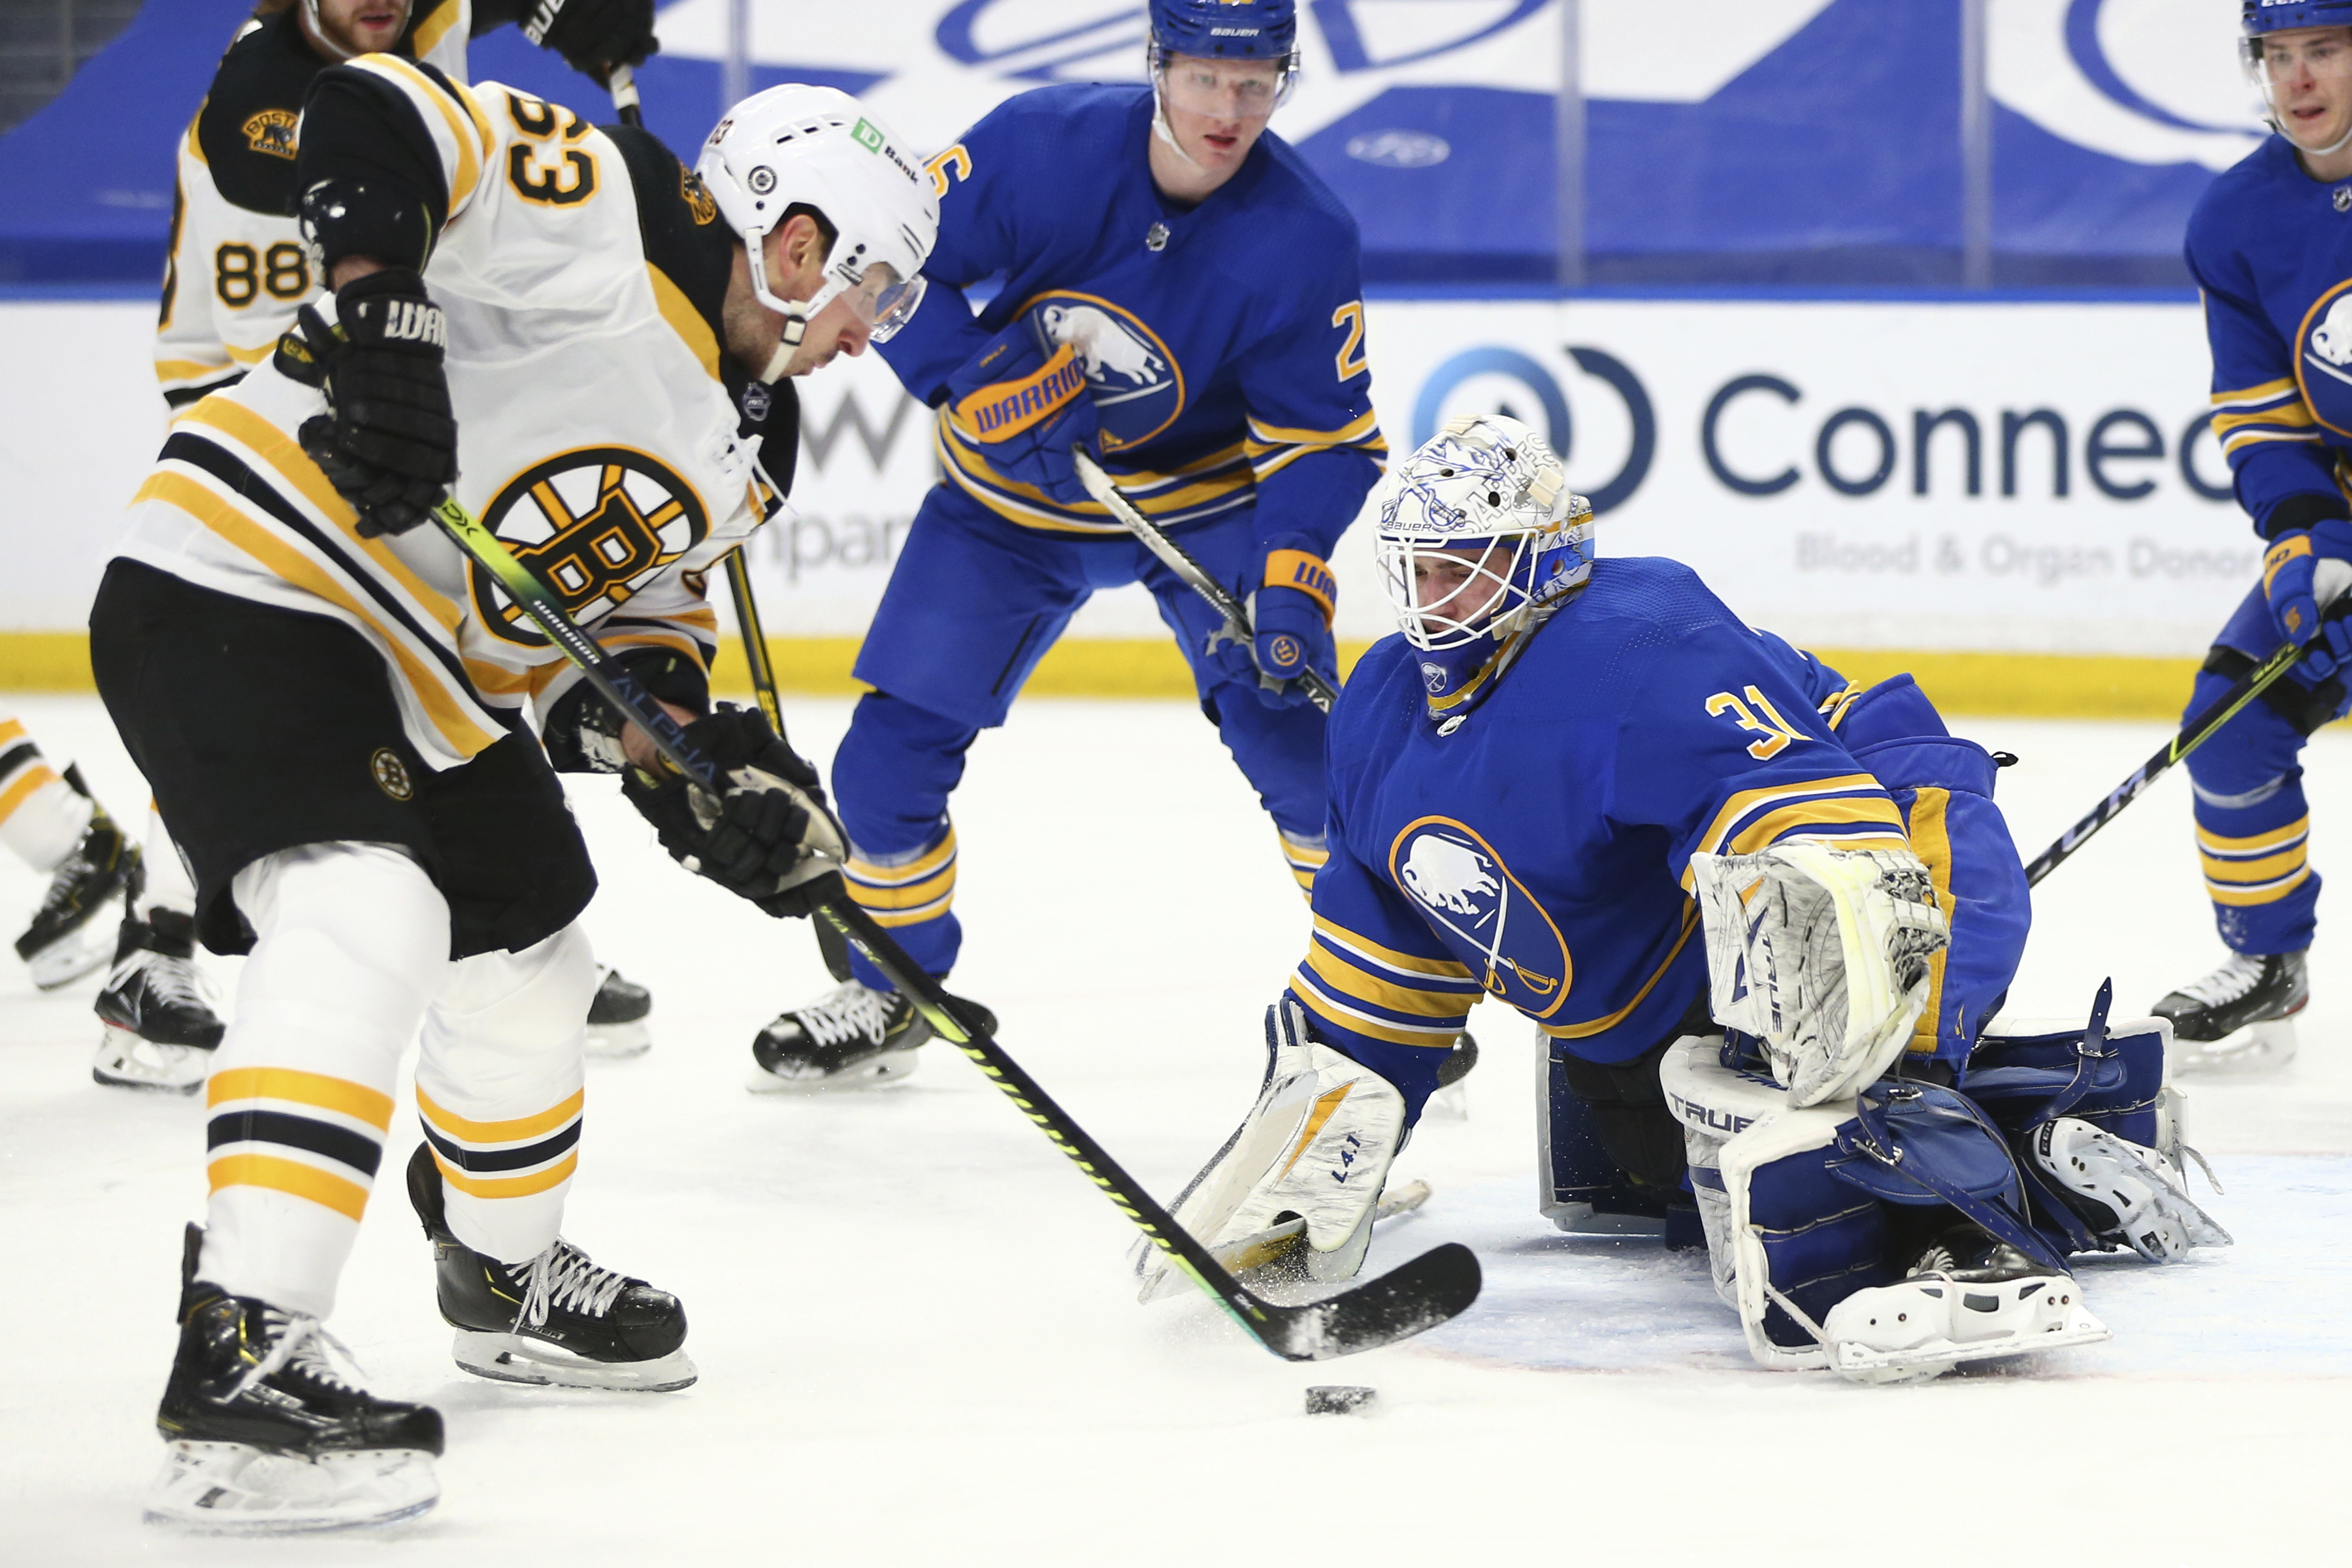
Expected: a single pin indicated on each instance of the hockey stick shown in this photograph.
(1319, 691)
(1420, 1295)
(2193, 734)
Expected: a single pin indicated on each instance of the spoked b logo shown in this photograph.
(596, 525)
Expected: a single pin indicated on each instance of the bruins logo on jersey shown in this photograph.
(1463, 885)
(596, 524)
(699, 202)
(271, 132)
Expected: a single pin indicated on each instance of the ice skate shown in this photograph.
(66, 940)
(2126, 1193)
(1451, 1100)
(267, 1431)
(557, 1319)
(2241, 1017)
(161, 1022)
(616, 1018)
(851, 1037)
(1965, 1298)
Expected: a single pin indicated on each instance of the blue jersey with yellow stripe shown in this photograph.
(1225, 342)
(1540, 852)
(2271, 248)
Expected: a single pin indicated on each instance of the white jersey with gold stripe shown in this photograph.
(594, 437)
(237, 269)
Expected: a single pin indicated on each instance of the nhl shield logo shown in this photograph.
(1463, 888)
(1136, 384)
(596, 525)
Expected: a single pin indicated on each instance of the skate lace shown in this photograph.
(846, 1013)
(302, 1344)
(2227, 983)
(175, 983)
(64, 895)
(562, 1278)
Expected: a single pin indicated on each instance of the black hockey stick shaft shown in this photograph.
(1178, 559)
(2249, 688)
(1422, 1294)
(621, 81)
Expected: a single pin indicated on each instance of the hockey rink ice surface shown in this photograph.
(916, 1331)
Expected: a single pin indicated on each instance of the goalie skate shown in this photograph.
(2126, 1193)
(2241, 1018)
(1924, 1326)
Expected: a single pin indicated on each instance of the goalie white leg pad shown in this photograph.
(2135, 1194)
(1822, 955)
(1318, 1145)
(1920, 1327)
(229, 1488)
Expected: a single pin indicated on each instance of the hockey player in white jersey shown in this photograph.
(236, 273)
(52, 823)
(549, 322)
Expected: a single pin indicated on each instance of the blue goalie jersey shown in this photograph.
(1540, 852)
(1224, 343)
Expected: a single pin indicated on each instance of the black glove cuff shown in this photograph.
(583, 734)
(2302, 511)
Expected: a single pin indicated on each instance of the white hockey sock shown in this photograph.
(498, 1088)
(354, 942)
(42, 817)
(168, 884)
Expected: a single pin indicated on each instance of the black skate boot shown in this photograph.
(161, 1026)
(66, 940)
(556, 1319)
(851, 1037)
(268, 1430)
(2241, 1017)
(616, 1018)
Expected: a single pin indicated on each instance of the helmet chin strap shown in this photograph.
(1161, 128)
(2327, 152)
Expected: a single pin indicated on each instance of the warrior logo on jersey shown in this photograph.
(1136, 386)
(595, 525)
(1466, 891)
(271, 132)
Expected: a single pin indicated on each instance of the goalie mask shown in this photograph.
(1480, 539)
(814, 146)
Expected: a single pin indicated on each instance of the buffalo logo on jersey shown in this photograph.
(595, 525)
(271, 132)
(1464, 889)
(1136, 386)
(2324, 363)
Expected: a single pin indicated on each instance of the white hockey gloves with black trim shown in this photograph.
(1822, 955)
(1316, 1147)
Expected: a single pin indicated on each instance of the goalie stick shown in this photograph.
(1319, 691)
(1419, 1295)
(2193, 734)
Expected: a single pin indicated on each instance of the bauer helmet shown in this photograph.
(1227, 30)
(1485, 492)
(2257, 20)
(815, 146)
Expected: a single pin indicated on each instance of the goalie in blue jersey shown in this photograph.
(1587, 789)
(2270, 246)
(1178, 291)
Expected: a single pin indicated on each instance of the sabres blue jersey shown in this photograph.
(1224, 342)
(2271, 248)
(1540, 852)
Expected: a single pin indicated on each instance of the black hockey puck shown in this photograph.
(1341, 1399)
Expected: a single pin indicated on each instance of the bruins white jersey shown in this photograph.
(237, 269)
(595, 433)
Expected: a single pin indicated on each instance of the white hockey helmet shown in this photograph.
(795, 146)
(1485, 492)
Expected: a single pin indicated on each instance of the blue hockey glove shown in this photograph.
(2304, 572)
(1291, 597)
(1024, 407)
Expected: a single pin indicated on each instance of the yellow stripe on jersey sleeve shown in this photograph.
(435, 26)
(2247, 397)
(1389, 957)
(1773, 826)
(1362, 986)
(470, 141)
(685, 319)
(1747, 801)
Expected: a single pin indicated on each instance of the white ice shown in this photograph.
(918, 1344)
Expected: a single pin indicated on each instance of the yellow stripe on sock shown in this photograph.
(2268, 869)
(2239, 897)
(513, 1131)
(507, 1187)
(304, 1089)
(15, 796)
(346, 1198)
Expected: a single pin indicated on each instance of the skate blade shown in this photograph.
(1277, 1255)
(618, 1042)
(511, 1358)
(872, 1073)
(2257, 1049)
(76, 955)
(1857, 1363)
(125, 1060)
(229, 1488)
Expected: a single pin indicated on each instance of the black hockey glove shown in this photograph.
(593, 36)
(768, 837)
(387, 442)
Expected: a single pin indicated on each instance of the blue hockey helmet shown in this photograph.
(2259, 20)
(2256, 17)
(1231, 30)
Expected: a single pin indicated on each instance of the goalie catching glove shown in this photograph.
(1822, 955)
(766, 836)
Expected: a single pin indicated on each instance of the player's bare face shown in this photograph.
(2306, 77)
(1215, 111)
(1452, 584)
(361, 26)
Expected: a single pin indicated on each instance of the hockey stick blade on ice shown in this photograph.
(1177, 559)
(1422, 1294)
(2193, 734)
